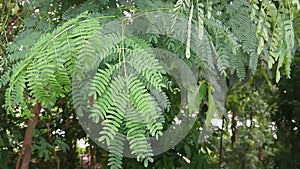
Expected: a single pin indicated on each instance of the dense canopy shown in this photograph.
(149, 84)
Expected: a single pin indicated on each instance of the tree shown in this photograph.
(249, 141)
(120, 79)
(287, 120)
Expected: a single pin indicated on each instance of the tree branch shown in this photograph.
(27, 142)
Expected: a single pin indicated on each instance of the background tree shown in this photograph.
(287, 120)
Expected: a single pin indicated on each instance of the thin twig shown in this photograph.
(221, 143)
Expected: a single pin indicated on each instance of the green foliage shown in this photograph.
(39, 70)
(244, 29)
(241, 33)
(122, 80)
(43, 149)
(251, 141)
(48, 67)
(123, 104)
(275, 32)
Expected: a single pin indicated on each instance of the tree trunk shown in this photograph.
(27, 142)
